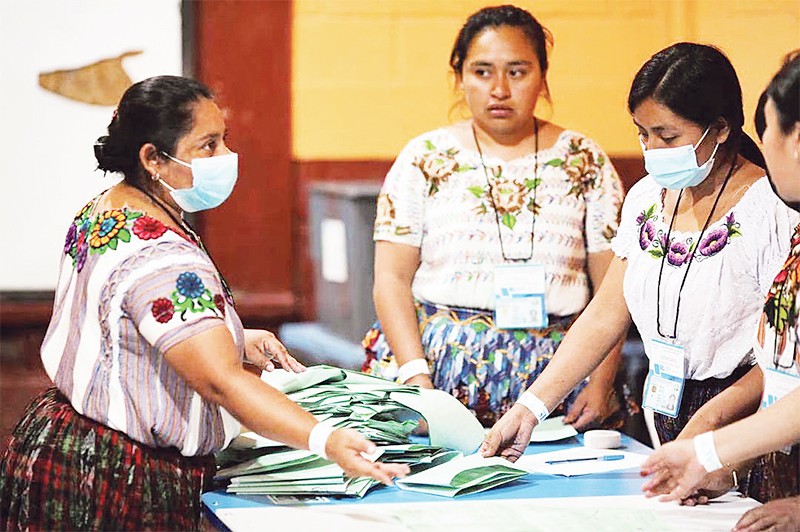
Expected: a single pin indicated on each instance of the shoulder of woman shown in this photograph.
(645, 190)
(440, 139)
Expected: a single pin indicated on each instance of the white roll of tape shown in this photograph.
(602, 439)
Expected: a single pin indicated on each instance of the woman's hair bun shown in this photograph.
(107, 161)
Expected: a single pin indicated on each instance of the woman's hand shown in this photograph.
(262, 348)
(344, 446)
(782, 515)
(676, 471)
(511, 434)
(423, 380)
(595, 404)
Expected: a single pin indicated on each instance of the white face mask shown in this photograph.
(213, 181)
(677, 168)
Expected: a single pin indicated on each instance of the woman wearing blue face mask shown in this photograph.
(145, 348)
(700, 240)
(680, 467)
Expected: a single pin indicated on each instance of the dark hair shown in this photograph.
(696, 82)
(759, 118)
(157, 110)
(493, 17)
(784, 91)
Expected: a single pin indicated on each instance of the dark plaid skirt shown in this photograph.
(773, 476)
(64, 471)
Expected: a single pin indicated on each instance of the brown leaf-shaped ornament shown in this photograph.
(100, 83)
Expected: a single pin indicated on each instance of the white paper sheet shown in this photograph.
(535, 463)
(552, 429)
(450, 424)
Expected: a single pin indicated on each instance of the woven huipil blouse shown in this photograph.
(129, 289)
(436, 197)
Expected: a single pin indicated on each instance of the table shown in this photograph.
(608, 501)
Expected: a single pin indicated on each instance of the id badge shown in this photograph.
(777, 385)
(663, 388)
(519, 296)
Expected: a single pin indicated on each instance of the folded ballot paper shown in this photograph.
(460, 476)
(381, 410)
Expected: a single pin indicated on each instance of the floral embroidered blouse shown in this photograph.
(733, 267)
(437, 197)
(130, 288)
(777, 345)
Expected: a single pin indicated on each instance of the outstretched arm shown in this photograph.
(771, 429)
(210, 364)
(599, 328)
(597, 401)
(734, 403)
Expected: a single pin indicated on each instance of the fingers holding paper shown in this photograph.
(345, 447)
(263, 349)
(510, 435)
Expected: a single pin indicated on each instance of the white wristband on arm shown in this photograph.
(318, 438)
(535, 405)
(412, 368)
(707, 452)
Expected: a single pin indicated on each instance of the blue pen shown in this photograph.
(606, 458)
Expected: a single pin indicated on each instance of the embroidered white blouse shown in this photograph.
(130, 288)
(436, 197)
(734, 265)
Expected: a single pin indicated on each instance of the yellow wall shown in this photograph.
(370, 74)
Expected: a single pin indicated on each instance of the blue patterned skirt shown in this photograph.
(486, 368)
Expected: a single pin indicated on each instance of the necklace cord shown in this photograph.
(691, 255)
(491, 192)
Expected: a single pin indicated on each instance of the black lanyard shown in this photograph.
(190, 232)
(491, 191)
(691, 256)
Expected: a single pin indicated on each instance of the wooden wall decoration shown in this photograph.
(100, 83)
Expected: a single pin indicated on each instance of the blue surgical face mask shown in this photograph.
(213, 179)
(677, 168)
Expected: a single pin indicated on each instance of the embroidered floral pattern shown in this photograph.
(219, 301)
(385, 215)
(780, 308)
(106, 231)
(75, 244)
(678, 252)
(510, 197)
(163, 309)
(437, 166)
(148, 228)
(110, 228)
(582, 166)
(191, 295)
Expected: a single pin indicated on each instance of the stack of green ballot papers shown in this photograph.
(467, 474)
(281, 471)
(381, 410)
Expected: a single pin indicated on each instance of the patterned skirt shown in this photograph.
(486, 368)
(64, 471)
(773, 476)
